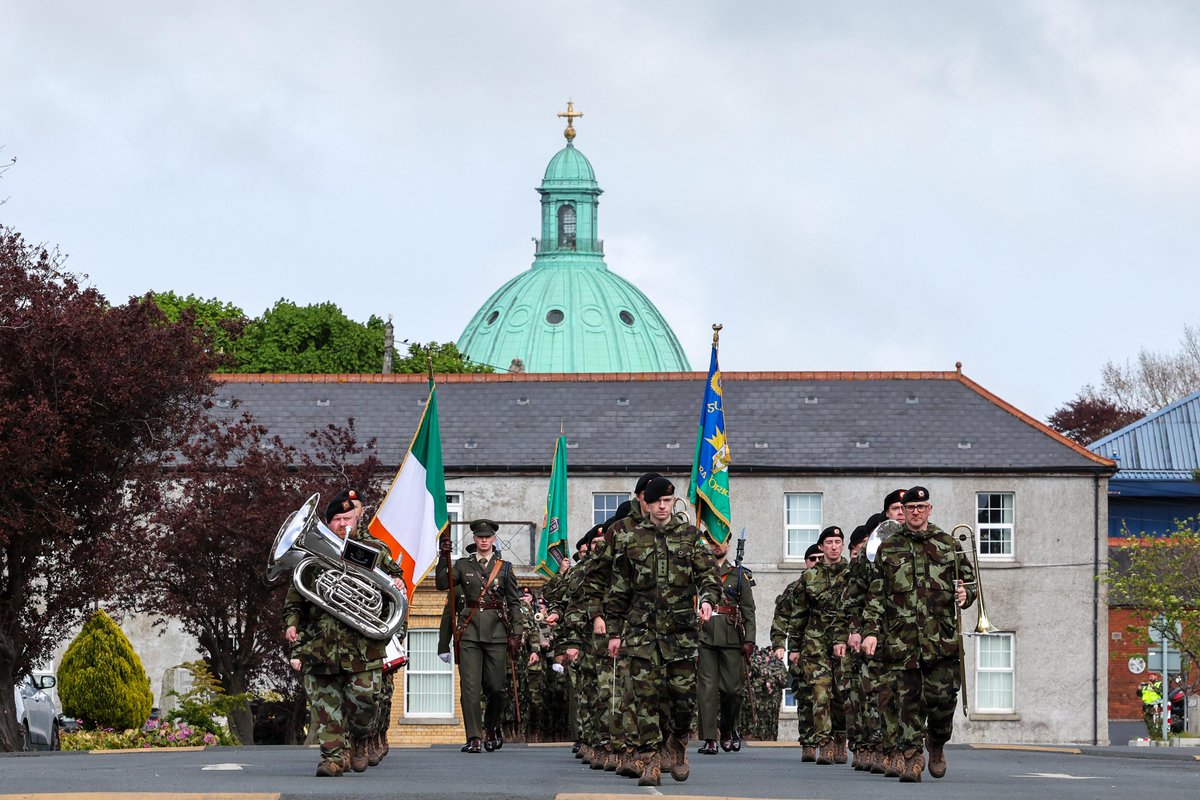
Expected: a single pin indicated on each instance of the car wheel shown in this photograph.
(26, 739)
(55, 739)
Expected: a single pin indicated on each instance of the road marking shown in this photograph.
(653, 791)
(1062, 776)
(1034, 748)
(225, 767)
(145, 796)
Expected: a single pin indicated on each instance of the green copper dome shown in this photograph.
(568, 312)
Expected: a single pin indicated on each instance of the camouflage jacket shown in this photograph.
(854, 596)
(657, 576)
(910, 606)
(599, 576)
(326, 644)
(781, 622)
(817, 606)
(574, 628)
(732, 621)
(487, 613)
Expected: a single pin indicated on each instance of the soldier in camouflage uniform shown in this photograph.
(578, 645)
(780, 625)
(816, 612)
(919, 583)
(861, 728)
(768, 678)
(340, 667)
(660, 567)
(726, 644)
(486, 623)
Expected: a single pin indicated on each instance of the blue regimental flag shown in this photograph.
(709, 489)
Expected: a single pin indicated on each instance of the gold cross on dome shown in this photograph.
(570, 114)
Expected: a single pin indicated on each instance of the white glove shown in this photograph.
(445, 657)
(557, 667)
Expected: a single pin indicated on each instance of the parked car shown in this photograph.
(37, 713)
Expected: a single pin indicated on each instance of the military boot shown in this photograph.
(626, 765)
(677, 751)
(610, 759)
(913, 764)
(599, 757)
(878, 762)
(840, 753)
(937, 760)
(808, 753)
(893, 764)
(651, 771)
(358, 755)
(330, 768)
(825, 753)
(374, 751)
(585, 754)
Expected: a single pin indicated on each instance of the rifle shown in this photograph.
(445, 556)
(737, 563)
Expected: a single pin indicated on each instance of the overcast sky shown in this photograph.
(846, 186)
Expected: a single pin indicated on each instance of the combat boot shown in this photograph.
(358, 755)
(914, 763)
(627, 766)
(384, 747)
(808, 753)
(937, 760)
(878, 762)
(330, 768)
(651, 771)
(585, 754)
(677, 752)
(893, 764)
(599, 756)
(825, 753)
(840, 754)
(374, 751)
(610, 759)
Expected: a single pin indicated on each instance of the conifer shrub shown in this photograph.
(101, 679)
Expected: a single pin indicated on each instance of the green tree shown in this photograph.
(101, 679)
(1160, 576)
(446, 359)
(221, 322)
(317, 339)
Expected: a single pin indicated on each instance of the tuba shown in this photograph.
(983, 625)
(339, 576)
(883, 531)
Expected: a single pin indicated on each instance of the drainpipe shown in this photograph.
(1096, 612)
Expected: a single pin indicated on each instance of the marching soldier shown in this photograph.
(816, 613)
(340, 667)
(660, 567)
(726, 644)
(861, 727)
(921, 579)
(780, 626)
(486, 624)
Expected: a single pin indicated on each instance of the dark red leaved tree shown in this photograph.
(93, 399)
(1089, 417)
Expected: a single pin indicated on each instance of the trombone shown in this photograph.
(982, 625)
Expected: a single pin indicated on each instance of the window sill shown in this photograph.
(787, 714)
(428, 719)
(985, 563)
(986, 717)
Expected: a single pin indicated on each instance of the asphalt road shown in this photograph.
(545, 773)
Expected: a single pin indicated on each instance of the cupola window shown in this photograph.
(555, 316)
(566, 226)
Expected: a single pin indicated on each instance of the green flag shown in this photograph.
(552, 543)
(709, 488)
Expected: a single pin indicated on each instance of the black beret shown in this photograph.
(657, 489)
(592, 533)
(623, 511)
(873, 521)
(644, 481)
(813, 550)
(860, 534)
(829, 533)
(484, 527)
(896, 496)
(342, 503)
(917, 494)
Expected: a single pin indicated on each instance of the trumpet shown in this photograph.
(982, 624)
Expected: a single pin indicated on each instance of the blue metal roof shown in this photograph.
(1165, 444)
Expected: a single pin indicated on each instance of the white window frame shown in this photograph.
(454, 513)
(439, 668)
(1005, 530)
(982, 671)
(801, 528)
(600, 516)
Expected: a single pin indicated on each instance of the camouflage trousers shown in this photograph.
(862, 705)
(343, 705)
(826, 682)
(623, 712)
(482, 675)
(720, 687)
(925, 700)
(383, 708)
(665, 695)
(802, 695)
(587, 693)
(606, 690)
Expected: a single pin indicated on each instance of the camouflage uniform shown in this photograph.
(816, 612)
(485, 623)
(911, 612)
(768, 677)
(720, 674)
(867, 728)
(575, 632)
(780, 626)
(340, 668)
(658, 573)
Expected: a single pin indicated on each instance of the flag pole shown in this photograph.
(716, 344)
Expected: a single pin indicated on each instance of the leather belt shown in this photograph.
(728, 610)
(486, 605)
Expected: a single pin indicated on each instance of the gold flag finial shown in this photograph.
(570, 114)
(716, 332)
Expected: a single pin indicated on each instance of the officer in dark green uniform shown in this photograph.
(726, 644)
(341, 668)
(486, 625)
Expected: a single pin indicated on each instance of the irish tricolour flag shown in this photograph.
(413, 514)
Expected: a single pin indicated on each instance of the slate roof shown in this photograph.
(819, 423)
(1164, 445)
